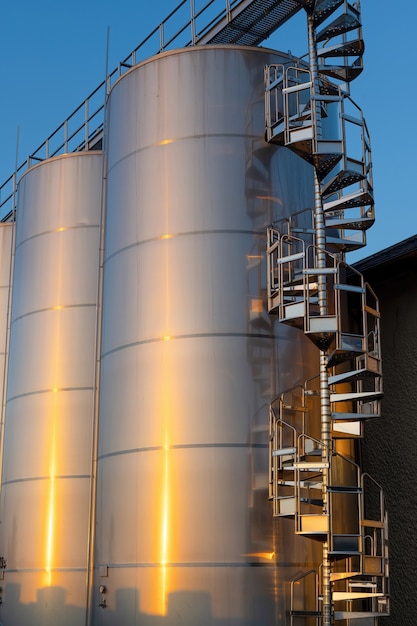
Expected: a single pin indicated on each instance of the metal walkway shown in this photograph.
(192, 22)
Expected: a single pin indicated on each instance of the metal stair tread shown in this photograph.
(339, 596)
(359, 197)
(356, 395)
(324, 9)
(310, 465)
(344, 23)
(358, 374)
(344, 489)
(301, 613)
(341, 72)
(341, 615)
(305, 484)
(337, 576)
(342, 179)
(312, 501)
(363, 584)
(347, 244)
(346, 223)
(353, 417)
(349, 48)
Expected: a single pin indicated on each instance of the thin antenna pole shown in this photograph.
(16, 165)
(107, 88)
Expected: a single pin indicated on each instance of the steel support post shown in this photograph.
(327, 607)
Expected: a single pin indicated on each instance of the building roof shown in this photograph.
(404, 251)
(391, 264)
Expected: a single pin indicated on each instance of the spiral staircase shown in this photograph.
(310, 287)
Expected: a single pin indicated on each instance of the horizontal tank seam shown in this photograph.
(183, 446)
(28, 479)
(193, 336)
(42, 569)
(60, 307)
(56, 230)
(190, 233)
(186, 564)
(168, 142)
(41, 391)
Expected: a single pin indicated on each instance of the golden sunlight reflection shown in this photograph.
(51, 506)
(261, 555)
(51, 524)
(166, 408)
(165, 525)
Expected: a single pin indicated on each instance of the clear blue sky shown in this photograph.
(52, 55)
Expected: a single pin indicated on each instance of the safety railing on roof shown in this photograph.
(82, 129)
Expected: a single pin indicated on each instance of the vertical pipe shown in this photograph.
(94, 443)
(96, 404)
(107, 77)
(66, 135)
(86, 120)
(161, 37)
(192, 22)
(229, 16)
(320, 233)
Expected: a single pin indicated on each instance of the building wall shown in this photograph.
(390, 443)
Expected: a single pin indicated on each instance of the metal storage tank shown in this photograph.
(7, 230)
(46, 482)
(6, 244)
(190, 358)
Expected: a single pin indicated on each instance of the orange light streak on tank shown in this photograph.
(51, 521)
(165, 525)
(50, 525)
(166, 398)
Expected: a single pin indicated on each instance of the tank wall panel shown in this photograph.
(62, 259)
(6, 235)
(33, 418)
(51, 341)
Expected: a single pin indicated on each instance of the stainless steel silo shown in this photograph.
(7, 230)
(190, 358)
(46, 485)
(6, 243)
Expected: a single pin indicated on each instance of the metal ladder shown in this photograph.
(309, 110)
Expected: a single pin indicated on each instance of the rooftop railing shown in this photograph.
(83, 128)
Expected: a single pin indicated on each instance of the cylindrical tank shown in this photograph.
(46, 482)
(190, 357)
(6, 243)
(7, 230)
